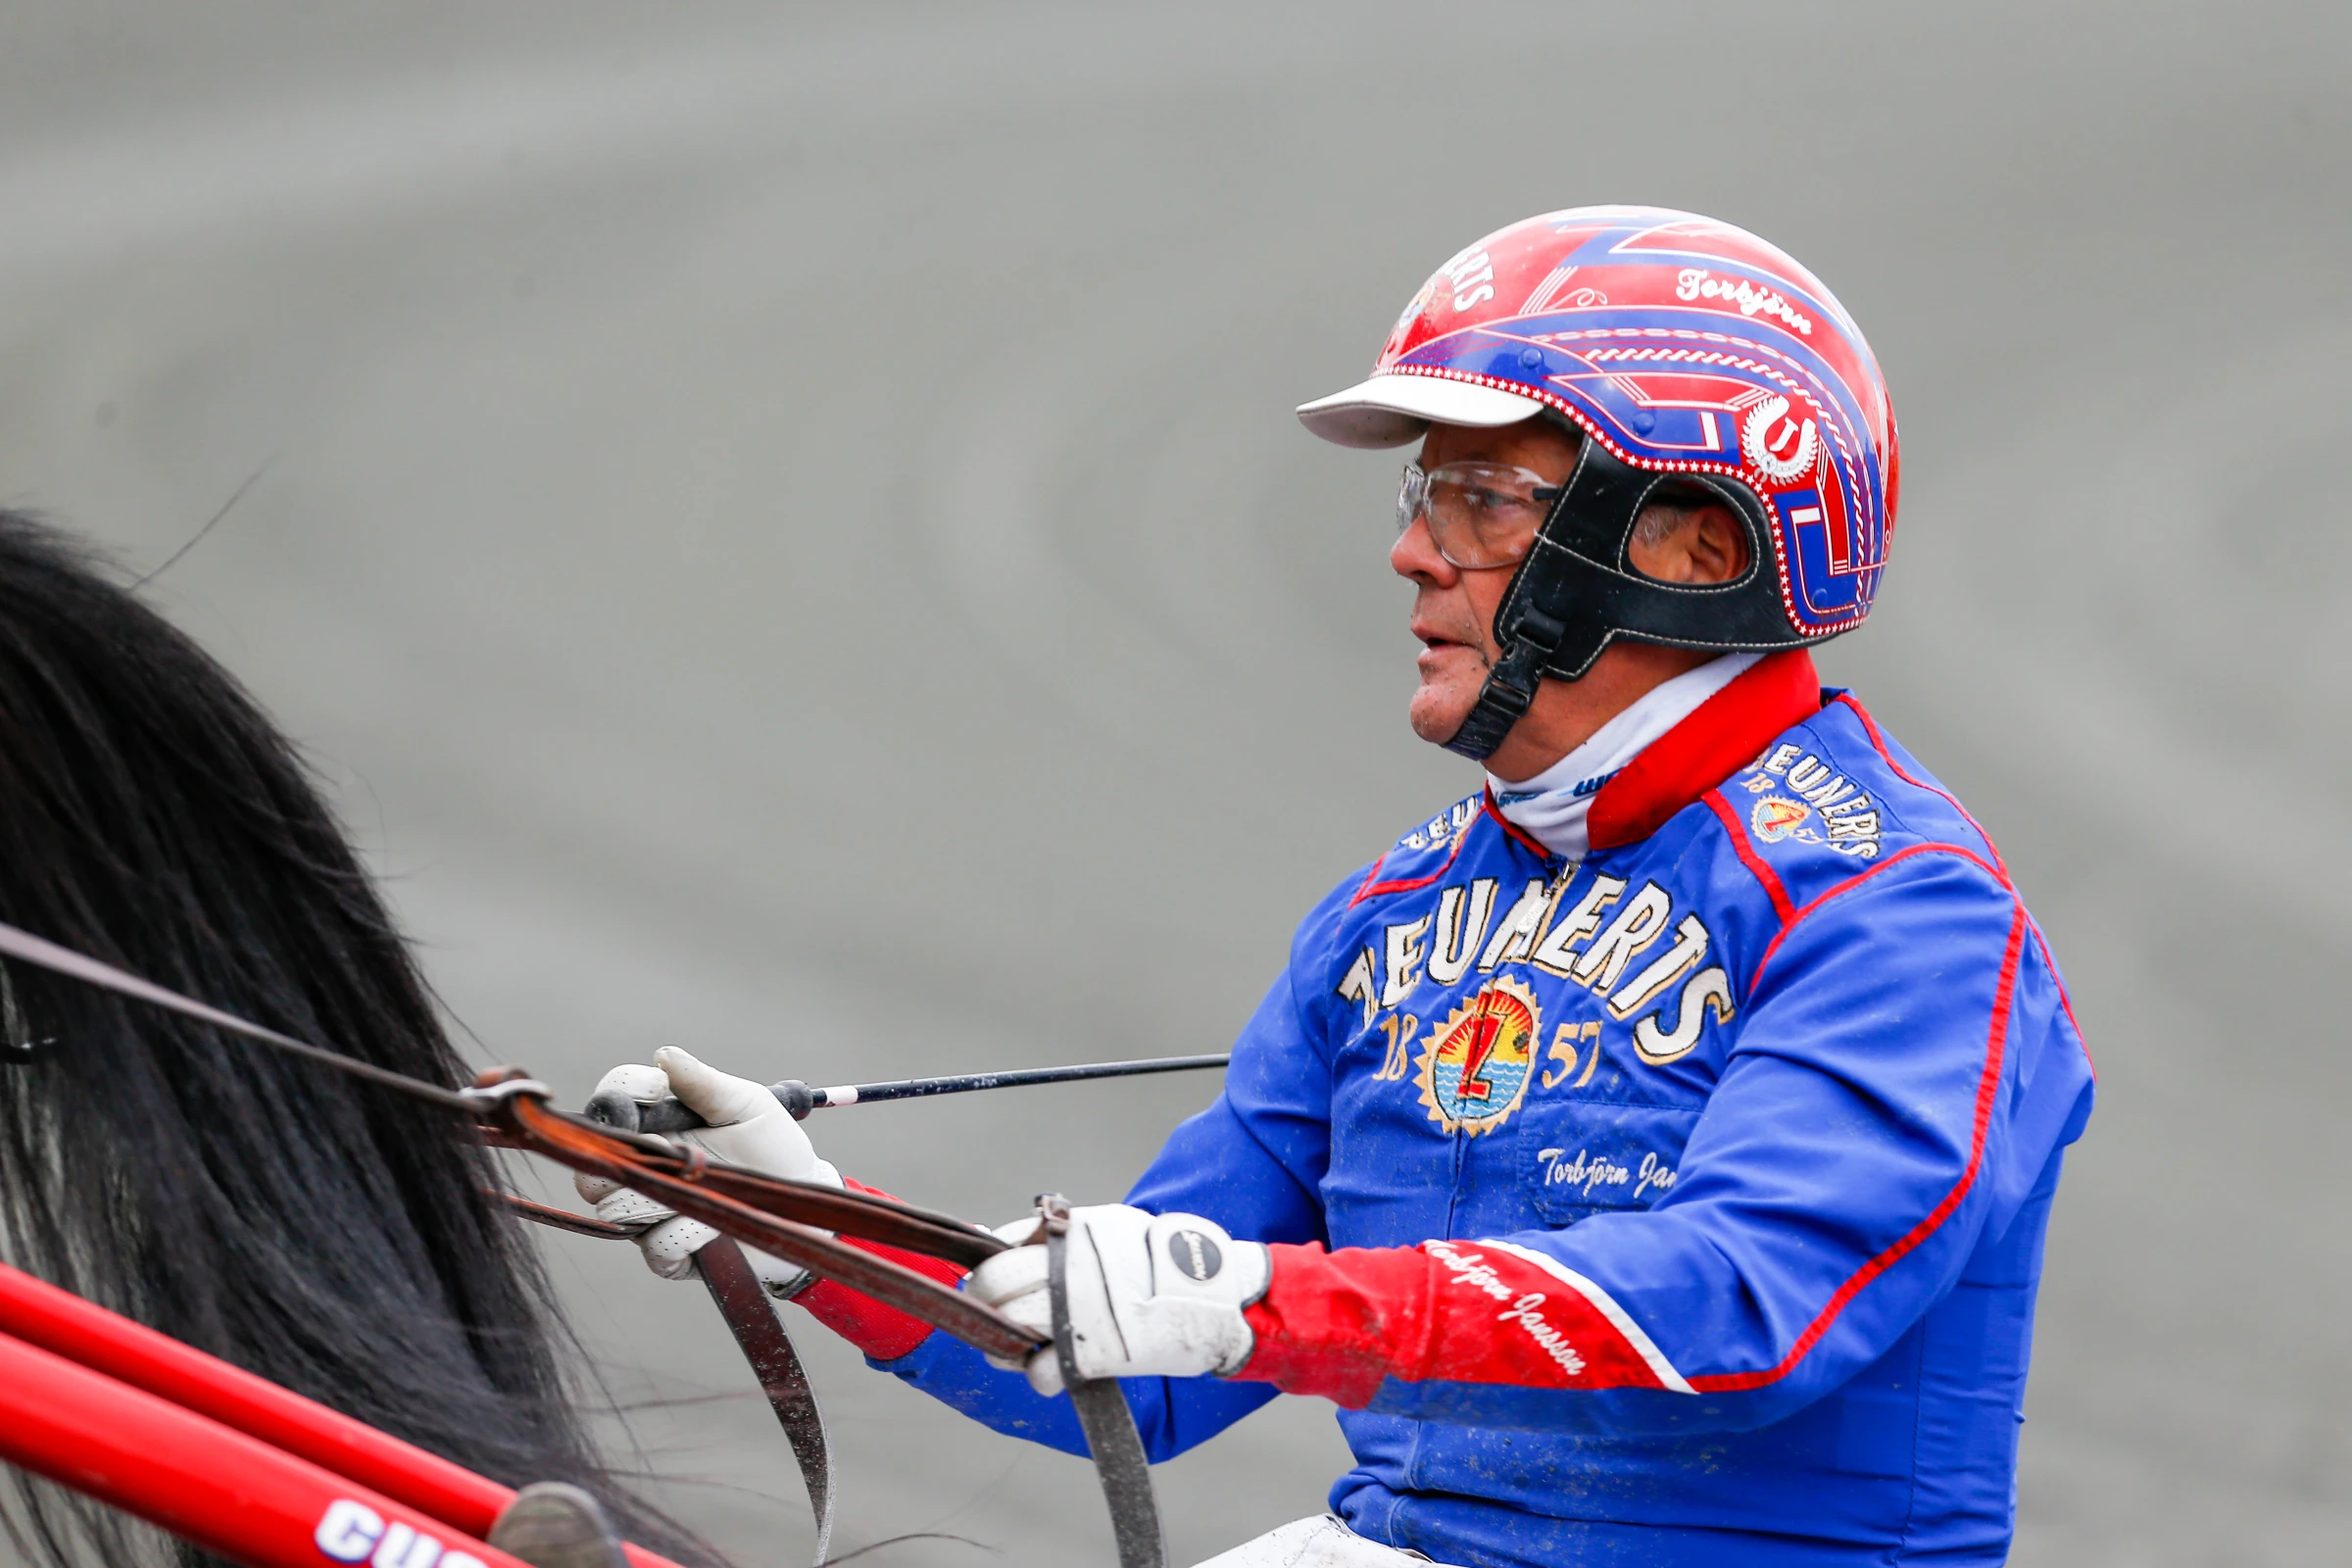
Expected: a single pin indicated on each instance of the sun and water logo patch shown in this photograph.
(1475, 1065)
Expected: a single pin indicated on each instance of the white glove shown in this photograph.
(1151, 1295)
(749, 1127)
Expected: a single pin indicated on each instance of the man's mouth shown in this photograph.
(1436, 646)
(1431, 636)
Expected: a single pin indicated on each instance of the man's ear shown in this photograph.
(1689, 537)
(1720, 546)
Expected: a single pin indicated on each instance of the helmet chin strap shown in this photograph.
(1510, 687)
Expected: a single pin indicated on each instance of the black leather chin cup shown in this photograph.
(1577, 591)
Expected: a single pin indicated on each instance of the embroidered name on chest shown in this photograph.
(1623, 944)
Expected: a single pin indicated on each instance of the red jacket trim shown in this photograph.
(1789, 921)
(2001, 868)
(1406, 885)
(1877, 740)
(1519, 835)
(1988, 1085)
(1721, 736)
(1757, 866)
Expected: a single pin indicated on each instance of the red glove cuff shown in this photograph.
(1338, 1324)
(1323, 1329)
(882, 1332)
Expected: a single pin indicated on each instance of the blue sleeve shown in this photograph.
(1904, 1076)
(1253, 1162)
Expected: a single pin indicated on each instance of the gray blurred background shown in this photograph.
(784, 525)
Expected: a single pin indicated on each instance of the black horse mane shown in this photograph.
(331, 1237)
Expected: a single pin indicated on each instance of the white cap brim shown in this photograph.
(1389, 411)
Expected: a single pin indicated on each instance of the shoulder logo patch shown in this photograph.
(1475, 1065)
(1848, 816)
(1775, 816)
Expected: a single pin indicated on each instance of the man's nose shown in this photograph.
(1415, 555)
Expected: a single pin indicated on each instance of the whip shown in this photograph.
(615, 1108)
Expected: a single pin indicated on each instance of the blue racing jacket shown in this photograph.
(1683, 1205)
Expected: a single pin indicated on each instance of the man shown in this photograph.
(1651, 1152)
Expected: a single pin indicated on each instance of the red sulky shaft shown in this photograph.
(128, 1362)
(206, 1483)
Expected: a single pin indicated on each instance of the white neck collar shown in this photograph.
(1551, 806)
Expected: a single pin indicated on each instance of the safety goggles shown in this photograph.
(1481, 515)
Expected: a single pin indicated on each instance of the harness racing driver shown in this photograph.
(1650, 1154)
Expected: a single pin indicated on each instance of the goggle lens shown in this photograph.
(1481, 515)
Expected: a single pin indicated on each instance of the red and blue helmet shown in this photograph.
(1687, 352)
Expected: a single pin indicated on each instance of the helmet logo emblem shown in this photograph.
(1778, 445)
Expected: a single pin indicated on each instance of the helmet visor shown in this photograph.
(1391, 409)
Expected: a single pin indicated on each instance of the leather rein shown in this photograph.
(800, 1222)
